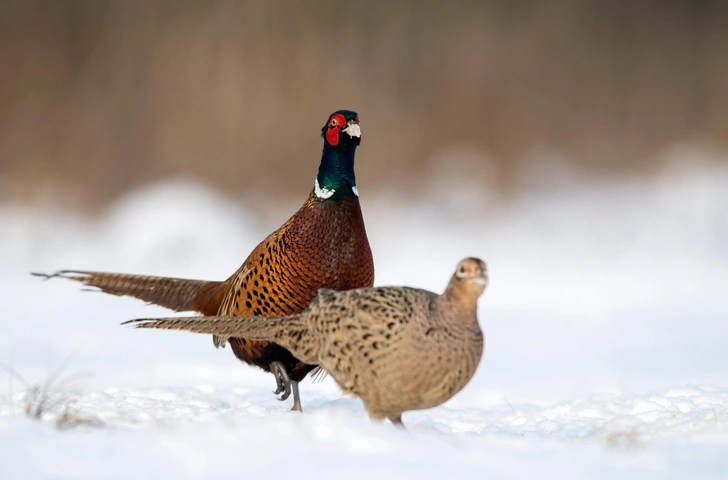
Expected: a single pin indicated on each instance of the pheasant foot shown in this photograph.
(283, 381)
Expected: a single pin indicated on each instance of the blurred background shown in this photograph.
(579, 147)
(98, 97)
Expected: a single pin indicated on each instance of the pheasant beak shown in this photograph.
(353, 129)
(481, 279)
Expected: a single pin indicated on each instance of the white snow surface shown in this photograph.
(606, 322)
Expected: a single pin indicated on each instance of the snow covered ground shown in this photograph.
(606, 324)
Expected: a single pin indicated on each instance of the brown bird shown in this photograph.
(396, 348)
(323, 245)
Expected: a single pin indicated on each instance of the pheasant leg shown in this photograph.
(296, 398)
(283, 381)
(277, 376)
(397, 421)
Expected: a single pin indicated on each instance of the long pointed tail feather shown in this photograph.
(178, 294)
(290, 332)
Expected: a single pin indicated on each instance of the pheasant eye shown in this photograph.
(333, 122)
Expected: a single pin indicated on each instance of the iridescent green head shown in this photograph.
(341, 135)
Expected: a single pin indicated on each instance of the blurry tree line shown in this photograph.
(99, 96)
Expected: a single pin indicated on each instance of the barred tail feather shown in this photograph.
(290, 332)
(177, 294)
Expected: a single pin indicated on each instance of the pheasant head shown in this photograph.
(336, 177)
(467, 284)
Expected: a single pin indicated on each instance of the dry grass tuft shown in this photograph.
(54, 399)
(70, 420)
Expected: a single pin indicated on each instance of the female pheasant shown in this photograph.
(323, 245)
(396, 348)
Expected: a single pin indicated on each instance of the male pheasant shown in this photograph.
(323, 245)
(396, 348)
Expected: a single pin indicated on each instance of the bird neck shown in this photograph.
(335, 179)
(461, 301)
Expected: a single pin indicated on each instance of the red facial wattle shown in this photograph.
(336, 123)
(332, 135)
